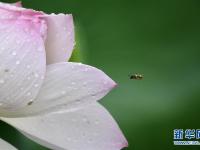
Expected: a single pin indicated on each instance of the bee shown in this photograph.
(136, 76)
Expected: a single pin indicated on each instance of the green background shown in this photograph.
(160, 39)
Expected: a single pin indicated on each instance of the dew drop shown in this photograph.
(90, 140)
(2, 81)
(18, 42)
(63, 92)
(83, 134)
(96, 122)
(26, 30)
(42, 77)
(74, 120)
(28, 66)
(69, 139)
(72, 67)
(17, 62)
(84, 83)
(14, 53)
(86, 69)
(2, 48)
(36, 75)
(105, 82)
(84, 119)
(28, 94)
(36, 85)
(69, 33)
(40, 50)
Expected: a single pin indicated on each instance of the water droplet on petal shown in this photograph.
(63, 92)
(28, 66)
(84, 83)
(69, 139)
(96, 122)
(105, 82)
(36, 85)
(17, 62)
(73, 83)
(14, 53)
(2, 81)
(36, 75)
(28, 94)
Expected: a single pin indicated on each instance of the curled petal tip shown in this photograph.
(113, 84)
(18, 4)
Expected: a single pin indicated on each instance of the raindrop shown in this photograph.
(69, 139)
(2, 81)
(42, 77)
(17, 62)
(40, 50)
(26, 30)
(18, 42)
(69, 33)
(86, 120)
(84, 134)
(36, 85)
(28, 66)
(105, 82)
(96, 122)
(90, 140)
(84, 83)
(14, 53)
(63, 92)
(28, 94)
(36, 75)
(72, 67)
(86, 69)
(74, 120)
(2, 48)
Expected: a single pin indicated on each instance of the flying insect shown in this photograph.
(136, 76)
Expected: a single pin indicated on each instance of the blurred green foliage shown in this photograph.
(160, 39)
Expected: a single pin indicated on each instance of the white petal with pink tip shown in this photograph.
(22, 63)
(60, 37)
(6, 146)
(69, 85)
(89, 128)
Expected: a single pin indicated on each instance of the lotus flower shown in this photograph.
(49, 100)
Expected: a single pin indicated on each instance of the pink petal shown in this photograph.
(60, 37)
(89, 128)
(18, 4)
(22, 63)
(9, 11)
